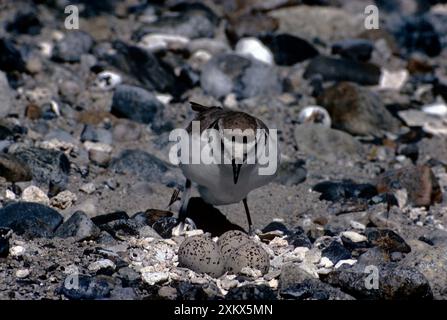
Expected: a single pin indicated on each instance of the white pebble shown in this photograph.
(254, 48)
(354, 236)
(88, 188)
(315, 114)
(347, 261)
(156, 42)
(107, 80)
(325, 263)
(22, 273)
(436, 109)
(34, 194)
(393, 80)
(16, 251)
(101, 264)
(153, 278)
(357, 225)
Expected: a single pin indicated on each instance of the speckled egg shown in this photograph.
(202, 255)
(250, 254)
(230, 241)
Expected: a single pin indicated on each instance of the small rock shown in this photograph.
(344, 190)
(254, 48)
(86, 288)
(316, 115)
(393, 80)
(140, 164)
(332, 69)
(336, 252)
(313, 289)
(30, 219)
(88, 188)
(12, 169)
(6, 103)
(387, 240)
(419, 181)
(144, 66)
(357, 110)
(22, 273)
(101, 265)
(293, 273)
(227, 73)
(288, 49)
(153, 278)
(78, 226)
(395, 282)
(136, 104)
(64, 200)
(49, 167)
(251, 292)
(354, 49)
(107, 80)
(326, 143)
(17, 251)
(11, 60)
(34, 194)
(72, 46)
(4, 242)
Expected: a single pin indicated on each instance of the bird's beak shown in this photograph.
(236, 170)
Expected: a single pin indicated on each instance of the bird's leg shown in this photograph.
(184, 222)
(247, 212)
(185, 200)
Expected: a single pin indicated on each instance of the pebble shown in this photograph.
(419, 181)
(333, 69)
(88, 188)
(35, 194)
(356, 110)
(227, 73)
(107, 80)
(79, 226)
(254, 48)
(72, 46)
(101, 265)
(64, 200)
(30, 219)
(354, 49)
(326, 143)
(354, 236)
(17, 251)
(12, 169)
(316, 115)
(22, 273)
(135, 103)
(288, 49)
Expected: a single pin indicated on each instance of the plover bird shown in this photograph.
(237, 166)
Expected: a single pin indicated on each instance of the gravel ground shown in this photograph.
(358, 208)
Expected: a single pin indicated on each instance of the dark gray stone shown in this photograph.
(226, 73)
(72, 46)
(12, 169)
(82, 287)
(140, 164)
(332, 69)
(79, 226)
(48, 167)
(30, 219)
(395, 282)
(136, 104)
